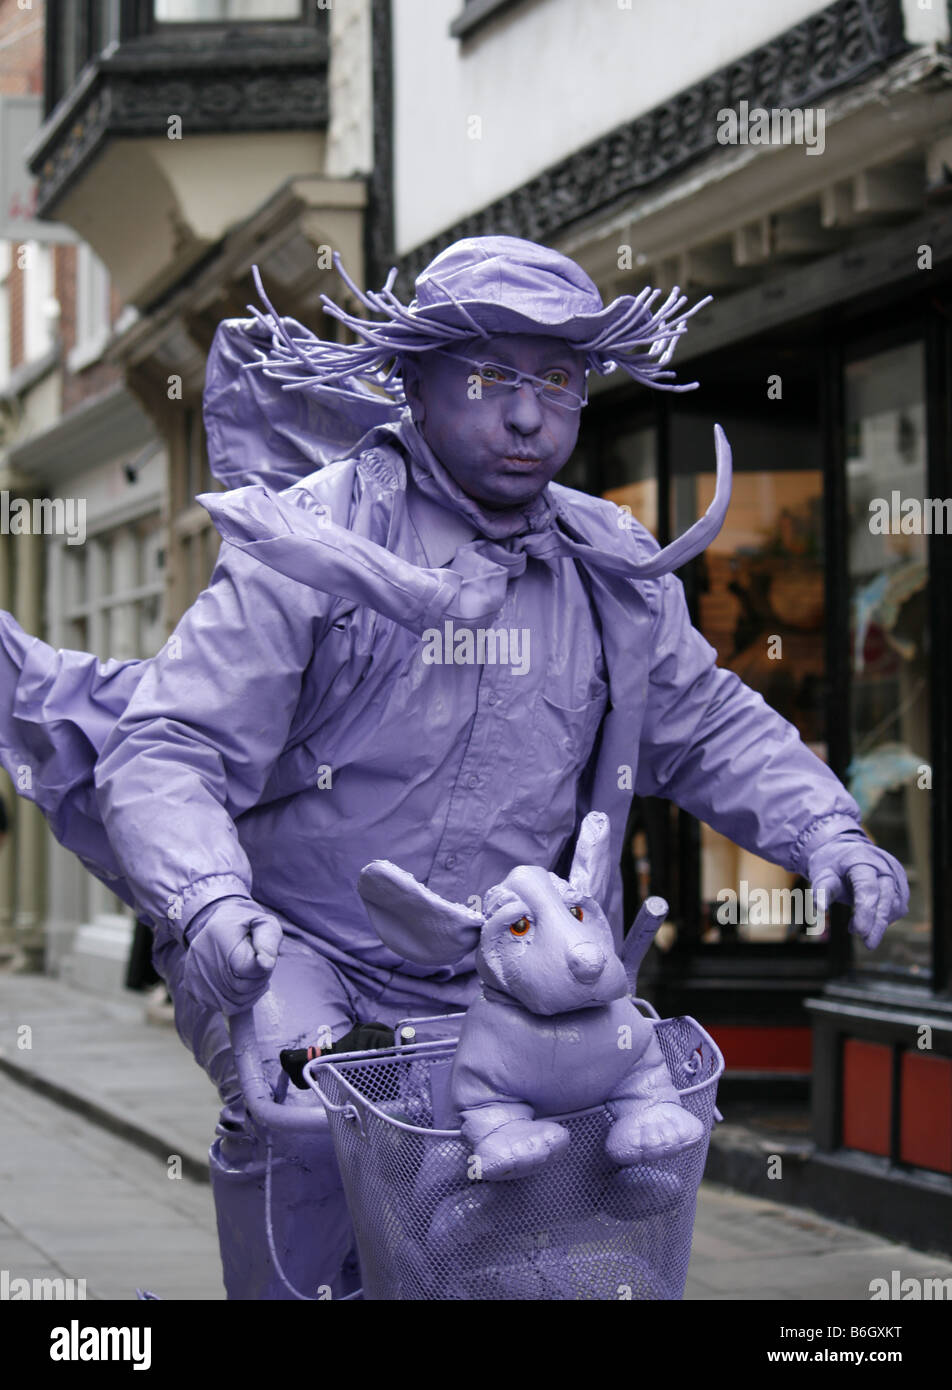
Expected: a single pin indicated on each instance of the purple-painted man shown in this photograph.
(425, 651)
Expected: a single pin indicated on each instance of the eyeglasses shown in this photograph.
(495, 379)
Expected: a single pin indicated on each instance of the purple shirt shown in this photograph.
(331, 737)
(284, 738)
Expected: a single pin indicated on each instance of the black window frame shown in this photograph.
(136, 23)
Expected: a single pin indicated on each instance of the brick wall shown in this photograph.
(64, 287)
(21, 32)
(99, 376)
(92, 381)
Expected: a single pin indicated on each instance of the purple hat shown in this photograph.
(510, 286)
(477, 288)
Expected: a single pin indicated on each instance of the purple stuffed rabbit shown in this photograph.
(554, 1030)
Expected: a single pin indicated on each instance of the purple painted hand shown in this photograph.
(851, 869)
(233, 947)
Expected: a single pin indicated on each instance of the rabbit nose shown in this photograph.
(586, 962)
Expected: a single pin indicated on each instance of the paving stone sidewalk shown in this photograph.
(101, 1058)
(99, 1061)
(78, 1203)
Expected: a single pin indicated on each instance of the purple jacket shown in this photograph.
(285, 737)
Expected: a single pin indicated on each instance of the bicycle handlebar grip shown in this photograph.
(259, 1100)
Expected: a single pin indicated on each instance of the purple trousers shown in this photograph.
(312, 1231)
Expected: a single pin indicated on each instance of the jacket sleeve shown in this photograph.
(716, 748)
(199, 737)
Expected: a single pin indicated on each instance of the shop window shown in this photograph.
(890, 519)
(630, 476)
(760, 595)
(627, 464)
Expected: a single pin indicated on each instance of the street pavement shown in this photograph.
(105, 1123)
(77, 1202)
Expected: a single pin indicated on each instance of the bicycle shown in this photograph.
(428, 1229)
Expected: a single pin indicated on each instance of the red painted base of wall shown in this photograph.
(750, 1048)
(867, 1096)
(926, 1114)
(924, 1100)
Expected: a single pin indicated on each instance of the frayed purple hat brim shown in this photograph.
(579, 329)
(629, 335)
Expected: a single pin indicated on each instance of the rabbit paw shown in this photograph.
(519, 1147)
(663, 1129)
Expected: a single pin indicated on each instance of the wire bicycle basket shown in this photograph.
(580, 1228)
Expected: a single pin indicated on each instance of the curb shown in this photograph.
(90, 1108)
(858, 1190)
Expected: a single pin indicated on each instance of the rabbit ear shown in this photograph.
(418, 925)
(591, 866)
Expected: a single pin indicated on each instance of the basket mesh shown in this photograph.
(580, 1228)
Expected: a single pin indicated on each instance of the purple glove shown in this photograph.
(850, 868)
(232, 950)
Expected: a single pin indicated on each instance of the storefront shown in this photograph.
(829, 591)
(825, 355)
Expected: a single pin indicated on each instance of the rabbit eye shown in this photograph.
(577, 912)
(521, 927)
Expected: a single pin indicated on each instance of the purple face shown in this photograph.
(501, 446)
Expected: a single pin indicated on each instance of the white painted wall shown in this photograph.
(350, 130)
(543, 78)
(926, 21)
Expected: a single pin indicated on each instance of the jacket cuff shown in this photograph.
(820, 832)
(199, 894)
